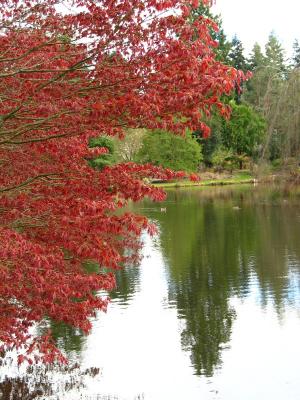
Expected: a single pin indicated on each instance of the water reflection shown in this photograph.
(223, 243)
(41, 382)
(127, 284)
(68, 339)
(212, 312)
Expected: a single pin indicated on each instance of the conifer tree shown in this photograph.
(275, 55)
(256, 58)
(296, 54)
(237, 60)
(236, 54)
(223, 44)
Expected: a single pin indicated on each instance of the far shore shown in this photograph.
(208, 178)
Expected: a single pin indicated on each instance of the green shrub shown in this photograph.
(170, 151)
(222, 158)
(103, 160)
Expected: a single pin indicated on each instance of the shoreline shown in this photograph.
(241, 178)
(236, 178)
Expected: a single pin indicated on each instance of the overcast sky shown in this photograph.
(253, 20)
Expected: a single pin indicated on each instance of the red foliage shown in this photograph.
(194, 178)
(70, 71)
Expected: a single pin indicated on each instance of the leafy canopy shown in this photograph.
(68, 75)
(244, 131)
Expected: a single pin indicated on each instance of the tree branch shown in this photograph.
(25, 183)
(42, 139)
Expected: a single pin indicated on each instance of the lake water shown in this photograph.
(213, 310)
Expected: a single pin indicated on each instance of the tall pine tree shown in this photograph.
(224, 45)
(238, 61)
(296, 54)
(275, 58)
(236, 55)
(256, 58)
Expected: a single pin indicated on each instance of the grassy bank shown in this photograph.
(211, 179)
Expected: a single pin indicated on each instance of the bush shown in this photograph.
(102, 160)
(170, 151)
(222, 158)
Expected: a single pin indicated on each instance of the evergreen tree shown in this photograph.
(269, 73)
(214, 141)
(256, 86)
(224, 45)
(275, 55)
(256, 58)
(273, 91)
(238, 61)
(236, 55)
(296, 54)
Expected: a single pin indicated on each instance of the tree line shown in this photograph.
(264, 125)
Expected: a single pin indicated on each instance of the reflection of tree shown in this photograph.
(204, 306)
(67, 337)
(126, 282)
(217, 243)
(201, 283)
(71, 340)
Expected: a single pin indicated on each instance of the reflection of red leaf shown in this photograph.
(21, 358)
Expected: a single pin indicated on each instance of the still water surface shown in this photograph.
(213, 310)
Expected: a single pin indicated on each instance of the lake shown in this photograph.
(213, 310)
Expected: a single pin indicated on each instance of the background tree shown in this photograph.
(128, 147)
(170, 151)
(271, 93)
(284, 120)
(256, 58)
(275, 55)
(237, 60)
(223, 47)
(244, 131)
(296, 54)
(236, 55)
(256, 86)
(236, 139)
(268, 70)
(106, 159)
(214, 141)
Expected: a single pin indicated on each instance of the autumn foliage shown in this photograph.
(71, 71)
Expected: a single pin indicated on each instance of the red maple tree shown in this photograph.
(71, 71)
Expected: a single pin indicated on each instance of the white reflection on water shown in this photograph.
(138, 348)
(181, 299)
(263, 361)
